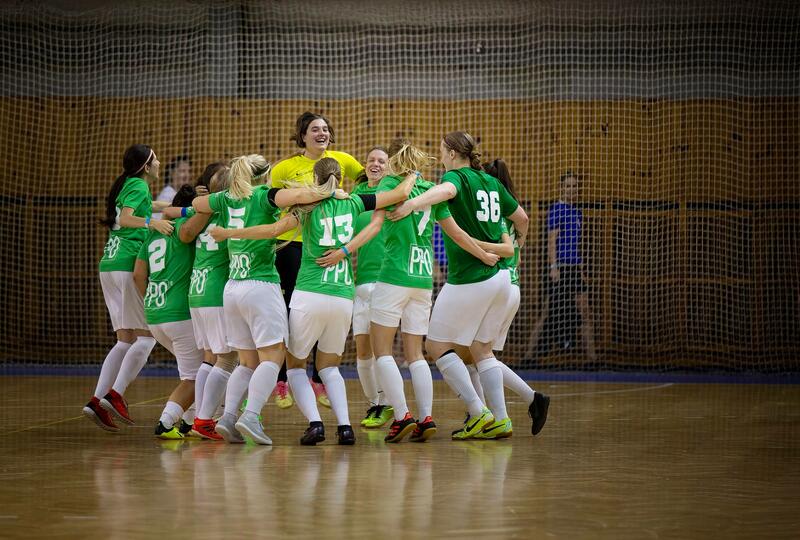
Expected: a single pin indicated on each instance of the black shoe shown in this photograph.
(538, 411)
(345, 435)
(401, 428)
(184, 428)
(314, 433)
(425, 430)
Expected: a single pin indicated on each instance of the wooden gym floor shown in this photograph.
(614, 461)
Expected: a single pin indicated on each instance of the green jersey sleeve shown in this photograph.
(508, 204)
(134, 197)
(215, 201)
(441, 211)
(452, 177)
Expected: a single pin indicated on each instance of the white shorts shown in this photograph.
(361, 309)
(315, 317)
(178, 338)
(471, 312)
(392, 304)
(511, 312)
(209, 329)
(255, 314)
(125, 305)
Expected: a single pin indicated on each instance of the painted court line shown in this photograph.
(64, 420)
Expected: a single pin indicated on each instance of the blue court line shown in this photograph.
(349, 372)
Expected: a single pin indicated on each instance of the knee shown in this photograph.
(227, 361)
(435, 349)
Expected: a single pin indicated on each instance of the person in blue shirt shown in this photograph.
(566, 276)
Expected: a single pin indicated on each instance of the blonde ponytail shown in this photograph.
(409, 158)
(243, 172)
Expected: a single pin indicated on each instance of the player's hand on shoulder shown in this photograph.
(340, 194)
(163, 226)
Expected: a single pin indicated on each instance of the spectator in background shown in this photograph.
(176, 174)
(565, 275)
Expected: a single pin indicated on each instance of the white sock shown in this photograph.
(237, 386)
(189, 414)
(514, 382)
(171, 414)
(492, 381)
(456, 376)
(200, 383)
(366, 375)
(476, 381)
(392, 384)
(334, 385)
(263, 382)
(134, 361)
(214, 392)
(423, 386)
(303, 393)
(110, 368)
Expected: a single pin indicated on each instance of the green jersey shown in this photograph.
(169, 264)
(512, 262)
(480, 203)
(249, 259)
(370, 255)
(408, 255)
(119, 253)
(328, 226)
(210, 272)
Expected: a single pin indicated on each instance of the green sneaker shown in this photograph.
(383, 414)
(369, 415)
(499, 429)
(474, 426)
(171, 434)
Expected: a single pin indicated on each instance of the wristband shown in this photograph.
(183, 211)
(147, 221)
(346, 251)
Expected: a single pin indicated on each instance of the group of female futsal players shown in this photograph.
(251, 270)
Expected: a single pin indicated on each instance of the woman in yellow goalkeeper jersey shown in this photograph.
(313, 135)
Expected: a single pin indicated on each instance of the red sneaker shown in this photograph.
(401, 428)
(205, 429)
(116, 405)
(425, 430)
(97, 414)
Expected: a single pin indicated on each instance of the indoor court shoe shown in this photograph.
(425, 430)
(171, 434)
(205, 429)
(185, 428)
(252, 430)
(383, 414)
(401, 428)
(370, 414)
(97, 414)
(116, 405)
(345, 435)
(322, 395)
(226, 426)
(499, 429)
(315, 433)
(538, 411)
(283, 399)
(474, 426)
